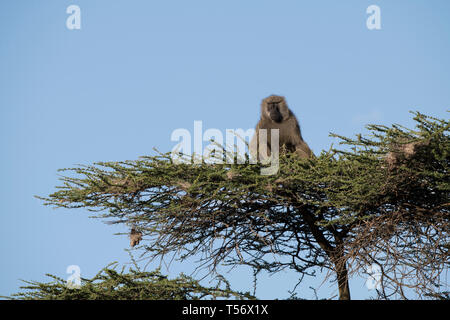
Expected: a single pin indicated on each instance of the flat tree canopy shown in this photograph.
(131, 284)
(383, 200)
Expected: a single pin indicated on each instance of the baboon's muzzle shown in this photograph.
(276, 116)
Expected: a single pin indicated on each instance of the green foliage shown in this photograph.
(350, 181)
(109, 284)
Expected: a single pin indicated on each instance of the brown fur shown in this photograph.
(135, 237)
(402, 152)
(275, 114)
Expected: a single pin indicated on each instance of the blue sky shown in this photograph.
(137, 70)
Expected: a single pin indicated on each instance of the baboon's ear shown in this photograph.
(264, 111)
(284, 110)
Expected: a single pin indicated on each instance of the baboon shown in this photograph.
(135, 237)
(401, 152)
(275, 114)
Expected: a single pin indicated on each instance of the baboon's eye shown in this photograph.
(273, 106)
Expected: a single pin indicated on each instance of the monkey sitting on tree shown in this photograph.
(275, 114)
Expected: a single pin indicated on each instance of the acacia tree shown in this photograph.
(384, 200)
(131, 284)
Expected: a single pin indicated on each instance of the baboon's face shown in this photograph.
(275, 108)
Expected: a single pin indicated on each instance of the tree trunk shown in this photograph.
(342, 279)
(333, 253)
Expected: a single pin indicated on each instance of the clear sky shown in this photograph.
(139, 69)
